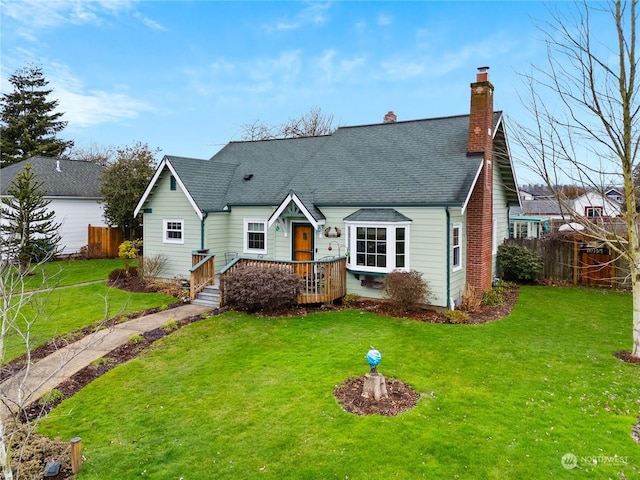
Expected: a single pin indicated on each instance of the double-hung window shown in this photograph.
(173, 230)
(255, 236)
(456, 247)
(378, 247)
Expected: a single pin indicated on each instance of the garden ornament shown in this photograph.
(373, 358)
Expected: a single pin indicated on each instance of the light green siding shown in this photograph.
(459, 277)
(170, 204)
(500, 213)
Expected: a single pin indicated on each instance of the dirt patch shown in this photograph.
(401, 397)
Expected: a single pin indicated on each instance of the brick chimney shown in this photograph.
(480, 206)
(390, 117)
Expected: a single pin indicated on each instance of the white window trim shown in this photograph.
(165, 221)
(245, 236)
(456, 226)
(391, 246)
(494, 240)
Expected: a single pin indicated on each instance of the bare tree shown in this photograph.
(585, 112)
(22, 311)
(94, 153)
(314, 123)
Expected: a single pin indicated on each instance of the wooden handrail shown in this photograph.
(202, 272)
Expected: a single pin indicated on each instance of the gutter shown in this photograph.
(449, 302)
(204, 217)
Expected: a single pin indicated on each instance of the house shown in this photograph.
(535, 218)
(594, 204)
(430, 195)
(73, 189)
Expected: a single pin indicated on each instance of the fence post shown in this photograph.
(76, 454)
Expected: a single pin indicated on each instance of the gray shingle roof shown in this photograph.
(377, 215)
(420, 162)
(74, 178)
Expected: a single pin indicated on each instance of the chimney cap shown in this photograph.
(483, 69)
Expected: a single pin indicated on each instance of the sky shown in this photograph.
(186, 76)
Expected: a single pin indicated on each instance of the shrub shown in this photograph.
(170, 326)
(261, 288)
(91, 251)
(150, 267)
(351, 298)
(134, 339)
(405, 290)
(129, 249)
(117, 274)
(492, 297)
(519, 263)
(52, 396)
(456, 316)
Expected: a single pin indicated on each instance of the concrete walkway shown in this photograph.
(49, 372)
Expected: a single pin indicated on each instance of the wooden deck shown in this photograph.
(324, 280)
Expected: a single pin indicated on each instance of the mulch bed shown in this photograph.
(401, 397)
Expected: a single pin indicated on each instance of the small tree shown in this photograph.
(584, 106)
(28, 230)
(123, 183)
(28, 120)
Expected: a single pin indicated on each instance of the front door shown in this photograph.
(302, 242)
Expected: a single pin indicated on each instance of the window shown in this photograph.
(519, 229)
(593, 212)
(255, 237)
(173, 231)
(456, 247)
(172, 183)
(378, 248)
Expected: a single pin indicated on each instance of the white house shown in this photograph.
(73, 189)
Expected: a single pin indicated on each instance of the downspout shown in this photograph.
(204, 217)
(448, 246)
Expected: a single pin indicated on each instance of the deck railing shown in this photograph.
(201, 272)
(324, 280)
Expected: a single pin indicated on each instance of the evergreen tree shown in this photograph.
(28, 121)
(28, 230)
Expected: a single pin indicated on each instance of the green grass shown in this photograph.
(236, 396)
(71, 272)
(60, 311)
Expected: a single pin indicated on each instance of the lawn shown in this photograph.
(238, 396)
(63, 310)
(71, 272)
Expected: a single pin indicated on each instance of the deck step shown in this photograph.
(210, 296)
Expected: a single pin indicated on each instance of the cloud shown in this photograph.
(315, 13)
(32, 16)
(384, 20)
(84, 108)
(152, 24)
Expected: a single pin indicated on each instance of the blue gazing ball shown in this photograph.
(373, 357)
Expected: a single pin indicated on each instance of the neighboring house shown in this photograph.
(428, 195)
(594, 205)
(535, 218)
(73, 188)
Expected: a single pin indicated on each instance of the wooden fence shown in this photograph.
(572, 259)
(103, 242)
